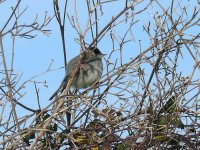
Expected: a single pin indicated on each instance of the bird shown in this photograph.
(89, 72)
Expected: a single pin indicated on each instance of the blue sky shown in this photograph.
(33, 57)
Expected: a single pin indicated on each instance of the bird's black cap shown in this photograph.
(96, 50)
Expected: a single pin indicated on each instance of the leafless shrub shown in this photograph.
(140, 103)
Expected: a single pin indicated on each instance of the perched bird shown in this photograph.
(89, 71)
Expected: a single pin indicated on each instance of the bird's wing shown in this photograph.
(70, 68)
(73, 64)
(61, 87)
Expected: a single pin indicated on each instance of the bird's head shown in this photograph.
(97, 52)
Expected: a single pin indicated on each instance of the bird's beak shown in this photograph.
(103, 55)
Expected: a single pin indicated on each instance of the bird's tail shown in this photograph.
(68, 113)
(61, 87)
(69, 103)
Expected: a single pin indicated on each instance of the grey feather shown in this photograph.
(86, 76)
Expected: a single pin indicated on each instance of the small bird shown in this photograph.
(90, 70)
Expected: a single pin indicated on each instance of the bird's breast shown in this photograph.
(88, 75)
